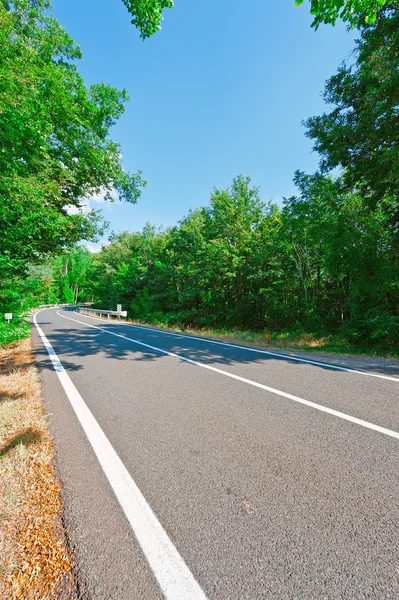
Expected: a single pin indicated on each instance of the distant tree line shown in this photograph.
(325, 262)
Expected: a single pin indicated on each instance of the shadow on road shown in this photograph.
(75, 340)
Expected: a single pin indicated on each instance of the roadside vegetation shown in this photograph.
(241, 264)
(34, 559)
(334, 344)
(56, 150)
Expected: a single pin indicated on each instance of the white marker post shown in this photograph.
(119, 310)
(8, 316)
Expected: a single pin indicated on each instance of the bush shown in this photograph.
(17, 329)
(382, 328)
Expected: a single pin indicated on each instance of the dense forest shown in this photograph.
(323, 263)
(326, 261)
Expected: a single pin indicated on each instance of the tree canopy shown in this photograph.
(54, 138)
(351, 11)
(325, 262)
(147, 15)
(361, 133)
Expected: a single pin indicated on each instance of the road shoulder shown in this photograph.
(35, 559)
(107, 561)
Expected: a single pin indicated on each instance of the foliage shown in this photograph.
(326, 262)
(361, 134)
(17, 329)
(352, 11)
(54, 139)
(147, 14)
(70, 276)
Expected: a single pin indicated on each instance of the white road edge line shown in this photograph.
(297, 399)
(258, 351)
(173, 576)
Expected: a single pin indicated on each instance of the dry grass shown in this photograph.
(303, 341)
(252, 339)
(34, 560)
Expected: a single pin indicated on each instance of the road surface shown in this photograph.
(195, 470)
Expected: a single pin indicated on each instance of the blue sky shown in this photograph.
(220, 90)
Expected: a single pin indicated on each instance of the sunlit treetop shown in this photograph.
(351, 11)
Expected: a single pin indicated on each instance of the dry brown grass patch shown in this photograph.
(34, 560)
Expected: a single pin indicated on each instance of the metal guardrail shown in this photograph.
(61, 305)
(100, 311)
(54, 305)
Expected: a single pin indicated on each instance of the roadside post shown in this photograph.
(8, 316)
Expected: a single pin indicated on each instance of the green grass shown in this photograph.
(298, 339)
(291, 339)
(17, 329)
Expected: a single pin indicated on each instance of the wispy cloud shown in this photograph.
(83, 209)
(100, 198)
(93, 249)
(88, 204)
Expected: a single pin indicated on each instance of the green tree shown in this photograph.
(54, 139)
(352, 11)
(147, 14)
(346, 259)
(233, 218)
(361, 134)
(215, 257)
(326, 262)
(71, 275)
(130, 271)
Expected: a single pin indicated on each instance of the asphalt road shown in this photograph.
(262, 496)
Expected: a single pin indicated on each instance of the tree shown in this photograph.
(131, 270)
(326, 262)
(352, 11)
(147, 14)
(71, 274)
(346, 259)
(361, 134)
(54, 139)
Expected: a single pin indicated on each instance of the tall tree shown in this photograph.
(54, 138)
(70, 272)
(361, 134)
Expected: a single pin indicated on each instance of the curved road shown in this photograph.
(195, 470)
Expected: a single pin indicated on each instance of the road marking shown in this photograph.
(297, 399)
(174, 577)
(256, 350)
